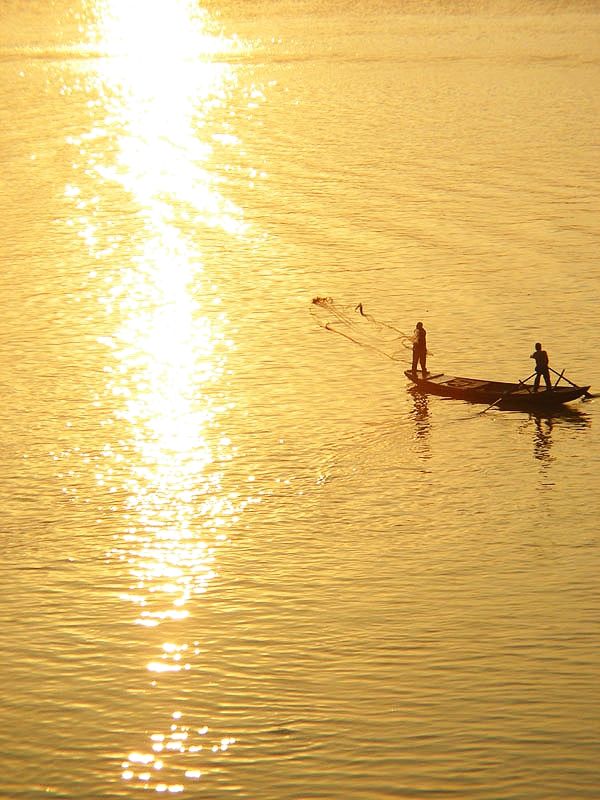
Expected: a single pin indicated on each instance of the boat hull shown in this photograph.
(500, 393)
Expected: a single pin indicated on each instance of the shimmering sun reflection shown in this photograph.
(164, 83)
(168, 359)
(170, 346)
(148, 769)
(168, 351)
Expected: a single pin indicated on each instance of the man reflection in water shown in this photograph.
(419, 349)
(541, 367)
(542, 440)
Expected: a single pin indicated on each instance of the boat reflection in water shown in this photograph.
(545, 422)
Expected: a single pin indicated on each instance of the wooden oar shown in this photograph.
(562, 375)
(557, 381)
(509, 392)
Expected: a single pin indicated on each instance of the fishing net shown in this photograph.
(363, 329)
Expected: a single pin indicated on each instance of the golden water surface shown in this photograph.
(239, 558)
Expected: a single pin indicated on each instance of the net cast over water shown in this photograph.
(355, 324)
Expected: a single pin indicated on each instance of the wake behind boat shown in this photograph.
(497, 393)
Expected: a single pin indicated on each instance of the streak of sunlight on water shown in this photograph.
(167, 356)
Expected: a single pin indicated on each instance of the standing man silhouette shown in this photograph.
(541, 367)
(419, 350)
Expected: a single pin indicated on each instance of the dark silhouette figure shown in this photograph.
(541, 367)
(419, 350)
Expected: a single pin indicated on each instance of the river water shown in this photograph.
(239, 558)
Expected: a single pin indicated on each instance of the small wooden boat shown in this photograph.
(497, 393)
